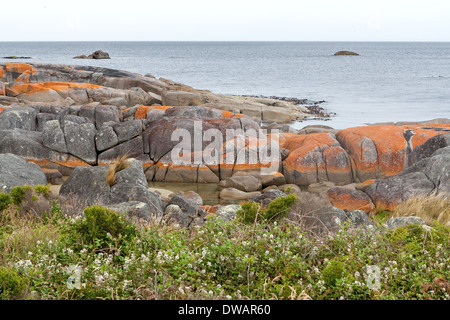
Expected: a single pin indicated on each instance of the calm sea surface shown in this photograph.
(387, 82)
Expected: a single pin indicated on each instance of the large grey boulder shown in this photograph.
(131, 185)
(18, 117)
(88, 185)
(105, 138)
(24, 143)
(15, 171)
(428, 175)
(244, 183)
(80, 140)
(106, 114)
(54, 136)
(128, 130)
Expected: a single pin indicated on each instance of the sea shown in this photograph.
(387, 82)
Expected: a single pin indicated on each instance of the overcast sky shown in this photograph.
(228, 20)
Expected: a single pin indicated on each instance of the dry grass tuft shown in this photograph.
(118, 165)
(430, 208)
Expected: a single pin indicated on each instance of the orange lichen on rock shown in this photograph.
(141, 112)
(422, 133)
(40, 162)
(20, 68)
(30, 88)
(2, 72)
(377, 150)
(308, 141)
(70, 161)
(350, 199)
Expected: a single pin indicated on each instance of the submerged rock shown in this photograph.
(99, 54)
(346, 53)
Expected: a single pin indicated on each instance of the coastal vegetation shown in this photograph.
(61, 253)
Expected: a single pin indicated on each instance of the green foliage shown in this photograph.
(18, 193)
(5, 201)
(42, 189)
(55, 214)
(12, 284)
(104, 227)
(276, 210)
(333, 272)
(279, 207)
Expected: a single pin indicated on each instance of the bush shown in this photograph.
(333, 272)
(18, 194)
(276, 209)
(12, 284)
(103, 227)
(5, 200)
(42, 189)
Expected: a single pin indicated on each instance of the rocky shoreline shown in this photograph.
(76, 122)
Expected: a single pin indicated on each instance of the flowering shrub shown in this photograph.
(101, 255)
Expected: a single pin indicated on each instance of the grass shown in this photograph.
(432, 209)
(118, 165)
(100, 254)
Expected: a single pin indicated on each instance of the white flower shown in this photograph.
(228, 297)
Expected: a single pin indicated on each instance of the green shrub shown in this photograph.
(18, 194)
(249, 211)
(42, 189)
(55, 214)
(277, 209)
(5, 200)
(103, 227)
(333, 272)
(12, 284)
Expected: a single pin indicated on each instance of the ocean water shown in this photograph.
(388, 82)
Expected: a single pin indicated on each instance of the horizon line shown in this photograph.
(352, 41)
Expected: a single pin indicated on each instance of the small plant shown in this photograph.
(55, 214)
(277, 209)
(118, 165)
(333, 272)
(18, 194)
(42, 189)
(12, 284)
(5, 200)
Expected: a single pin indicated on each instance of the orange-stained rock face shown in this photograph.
(315, 158)
(380, 151)
(20, 68)
(70, 162)
(422, 133)
(30, 88)
(2, 72)
(349, 199)
(141, 112)
(377, 151)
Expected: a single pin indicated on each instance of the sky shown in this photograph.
(230, 20)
